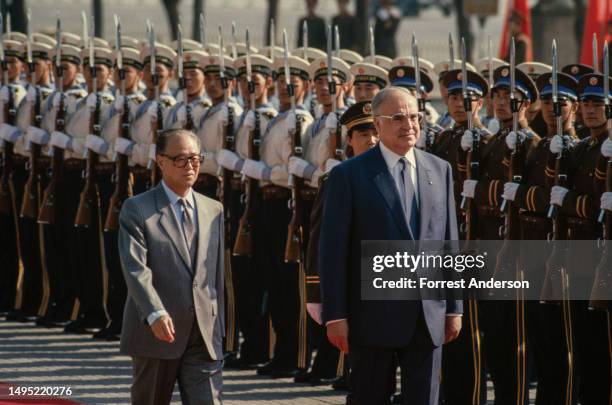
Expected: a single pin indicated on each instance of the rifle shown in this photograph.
(29, 206)
(10, 116)
(123, 187)
(89, 200)
(294, 235)
(244, 239)
(47, 210)
(555, 279)
(473, 160)
(158, 124)
(182, 81)
(429, 136)
(602, 285)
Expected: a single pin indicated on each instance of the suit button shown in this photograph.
(191, 309)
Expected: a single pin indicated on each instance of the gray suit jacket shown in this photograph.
(158, 274)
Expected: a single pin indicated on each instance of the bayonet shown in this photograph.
(557, 110)
(595, 59)
(451, 51)
(85, 29)
(234, 50)
(305, 39)
(202, 30)
(330, 80)
(9, 26)
(372, 46)
(337, 41)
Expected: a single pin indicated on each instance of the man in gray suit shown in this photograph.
(171, 248)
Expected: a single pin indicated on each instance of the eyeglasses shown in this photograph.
(181, 161)
(398, 118)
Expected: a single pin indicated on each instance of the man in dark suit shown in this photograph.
(171, 249)
(391, 192)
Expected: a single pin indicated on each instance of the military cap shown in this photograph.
(43, 39)
(358, 116)
(41, 50)
(163, 54)
(476, 84)
(17, 36)
(369, 73)
(441, 68)
(240, 49)
(70, 38)
(259, 64)
(577, 70)
(567, 86)
(213, 66)
(379, 60)
(424, 64)
(309, 53)
(128, 42)
(70, 53)
(340, 69)
(350, 57)
(98, 42)
(102, 56)
(297, 66)
(534, 69)
(404, 76)
(130, 57)
(211, 49)
(13, 48)
(266, 51)
(194, 59)
(522, 82)
(482, 66)
(592, 86)
(188, 45)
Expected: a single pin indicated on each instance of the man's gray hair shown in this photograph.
(165, 136)
(389, 92)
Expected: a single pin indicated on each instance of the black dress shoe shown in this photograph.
(396, 399)
(302, 376)
(315, 381)
(266, 369)
(284, 373)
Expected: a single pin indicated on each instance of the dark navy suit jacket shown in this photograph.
(362, 203)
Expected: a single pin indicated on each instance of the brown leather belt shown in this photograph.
(535, 222)
(205, 180)
(238, 184)
(489, 211)
(308, 193)
(275, 193)
(105, 168)
(74, 164)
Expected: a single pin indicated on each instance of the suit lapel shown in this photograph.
(425, 189)
(386, 186)
(204, 231)
(168, 221)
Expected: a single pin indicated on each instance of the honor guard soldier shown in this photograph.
(361, 136)
(11, 94)
(579, 202)
(440, 69)
(31, 143)
(534, 116)
(58, 211)
(219, 121)
(577, 71)
(281, 277)
(368, 80)
(460, 372)
(244, 207)
(310, 54)
(145, 120)
(488, 117)
(180, 116)
(349, 56)
(131, 64)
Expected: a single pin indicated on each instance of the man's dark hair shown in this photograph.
(165, 136)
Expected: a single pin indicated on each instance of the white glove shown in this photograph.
(31, 94)
(124, 146)
(91, 101)
(557, 194)
(606, 148)
(254, 169)
(469, 188)
(301, 168)
(556, 143)
(511, 139)
(96, 144)
(61, 140)
(152, 152)
(152, 110)
(290, 122)
(227, 159)
(467, 140)
(37, 136)
(4, 94)
(9, 133)
(606, 201)
(493, 125)
(510, 189)
(181, 114)
(249, 120)
(314, 310)
(118, 103)
(331, 122)
(330, 164)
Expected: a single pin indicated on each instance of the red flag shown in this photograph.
(519, 8)
(598, 13)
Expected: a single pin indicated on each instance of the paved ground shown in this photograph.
(98, 374)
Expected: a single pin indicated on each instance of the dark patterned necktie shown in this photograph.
(188, 229)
